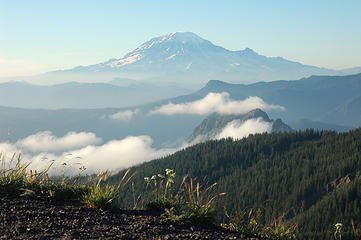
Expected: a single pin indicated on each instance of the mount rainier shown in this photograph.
(185, 58)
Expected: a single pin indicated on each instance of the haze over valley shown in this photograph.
(144, 132)
(126, 121)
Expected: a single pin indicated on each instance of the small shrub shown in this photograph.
(280, 231)
(163, 196)
(64, 192)
(102, 196)
(200, 201)
(247, 222)
(161, 204)
(174, 215)
(12, 179)
(192, 202)
(204, 213)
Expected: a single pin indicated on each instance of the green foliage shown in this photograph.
(312, 178)
(102, 196)
(280, 231)
(175, 215)
(204, 213)
(192, 201)
(162, 195)
(200, 200)
(64, 192)
(247, 222)
(309, 176)
(14, 179)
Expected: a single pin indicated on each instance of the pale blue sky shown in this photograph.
(38, 36)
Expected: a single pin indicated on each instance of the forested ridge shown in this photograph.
(311, 178)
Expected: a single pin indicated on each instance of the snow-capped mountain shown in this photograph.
(184, 57)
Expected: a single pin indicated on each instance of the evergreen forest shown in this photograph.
(309, 178)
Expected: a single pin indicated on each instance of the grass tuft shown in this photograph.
(248, 222)
(13, 180)
(102, 196)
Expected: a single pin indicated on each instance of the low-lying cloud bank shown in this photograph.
(83, 149)
(86, 149)
(46, 141)
(237, 130)
(218, 103)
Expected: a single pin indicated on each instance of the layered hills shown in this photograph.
(327, 99)
(321, 102)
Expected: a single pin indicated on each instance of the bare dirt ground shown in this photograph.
(22, 218)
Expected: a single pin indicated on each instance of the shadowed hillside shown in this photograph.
(297, 175)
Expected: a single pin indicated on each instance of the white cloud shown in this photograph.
(7, 148)
(216, 102)
(113, 155)
(46, 141)
(120, 154)
(237, 130)
(126, 115)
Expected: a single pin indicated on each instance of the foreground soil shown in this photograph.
(39, 219)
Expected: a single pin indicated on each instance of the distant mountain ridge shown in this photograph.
(116, 93)
(213, 125)
(328, 99)
(186, 58)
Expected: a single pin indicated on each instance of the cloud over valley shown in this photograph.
(237, 129)
(87, 149)
(77, 149)
(216, 103)
(126, 115)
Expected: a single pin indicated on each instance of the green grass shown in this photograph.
(13, 180)
(101, 195)
(249, 223)
(191, 202)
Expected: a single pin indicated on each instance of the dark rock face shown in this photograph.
(38, 219)
(279, 126)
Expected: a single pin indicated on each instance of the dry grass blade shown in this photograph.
(121, 184)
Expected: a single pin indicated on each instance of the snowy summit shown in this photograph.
(184, 57)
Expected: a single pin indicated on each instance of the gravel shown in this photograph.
(22, 218)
